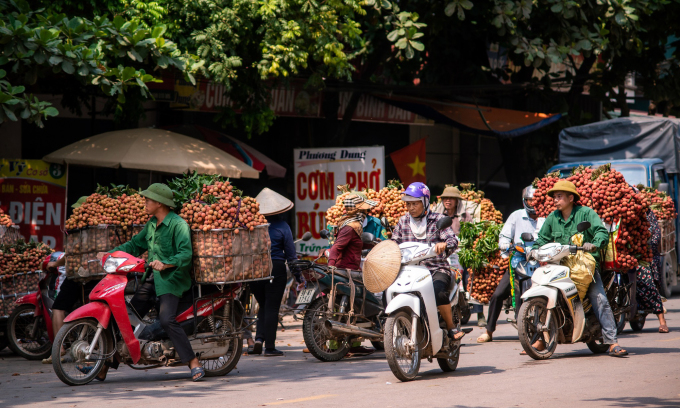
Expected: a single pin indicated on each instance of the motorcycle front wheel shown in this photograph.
(639, 323)
(70, 349)
(404, 361)
(531, 319)
(27, 334)
(318, 339)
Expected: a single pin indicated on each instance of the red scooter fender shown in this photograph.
(97, 310)
(30, 299)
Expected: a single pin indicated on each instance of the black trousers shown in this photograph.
(268, 296)
(502, 292)
(145, 298)
(441, 283)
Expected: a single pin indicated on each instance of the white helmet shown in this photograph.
(528, 193)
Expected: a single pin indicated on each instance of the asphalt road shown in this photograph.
(489, 375)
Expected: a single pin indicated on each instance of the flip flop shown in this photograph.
(662, 330)
(85, 370)
(454, 332)
(484, 338)
(618, 352)
(197, 370)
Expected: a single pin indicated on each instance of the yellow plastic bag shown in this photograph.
(582, 267)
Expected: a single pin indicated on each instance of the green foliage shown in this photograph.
(478, 242)
(189, 185)
(115, 191)
(111, 54)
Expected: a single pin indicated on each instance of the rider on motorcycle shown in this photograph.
(419, 225)
(167, 238)
(520, 221)
(559, 227)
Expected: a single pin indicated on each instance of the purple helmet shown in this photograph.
(417, 191)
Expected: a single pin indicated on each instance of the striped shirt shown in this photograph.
(402, 233)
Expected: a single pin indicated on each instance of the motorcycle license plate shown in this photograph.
(306, 296)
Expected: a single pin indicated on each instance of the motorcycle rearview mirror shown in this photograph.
(324, 234)
(306, 236)
(527, 236)
(364, 252)
(582, 226)
(367, 237)
(444, 223)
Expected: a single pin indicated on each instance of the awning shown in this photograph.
(234, 147)
(504, 123)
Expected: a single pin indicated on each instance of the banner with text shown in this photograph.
(317, 173)
(33, 193)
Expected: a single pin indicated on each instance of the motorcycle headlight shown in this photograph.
(406, 255)
(112, 264)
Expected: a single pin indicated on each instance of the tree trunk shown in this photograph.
(577, 86)
(621, 99)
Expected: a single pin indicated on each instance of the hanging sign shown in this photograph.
(33, 194)
(317, 173)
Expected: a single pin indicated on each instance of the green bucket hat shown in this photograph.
(161, 193)
(80, 202)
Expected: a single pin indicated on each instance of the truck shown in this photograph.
(646, 150)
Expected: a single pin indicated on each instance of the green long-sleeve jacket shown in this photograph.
(556, 229)
(170, 243)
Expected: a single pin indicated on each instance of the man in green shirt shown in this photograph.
(559, 227)
(167, 238)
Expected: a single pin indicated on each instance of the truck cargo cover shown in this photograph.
(624, 138)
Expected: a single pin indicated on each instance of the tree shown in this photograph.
(114, 55)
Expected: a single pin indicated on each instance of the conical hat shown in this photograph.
(381, 266)
(272, 203)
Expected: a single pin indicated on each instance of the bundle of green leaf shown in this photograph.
(480, 255)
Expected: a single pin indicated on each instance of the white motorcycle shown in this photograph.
(414, 330)
(552, 310)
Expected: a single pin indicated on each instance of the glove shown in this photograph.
(588, 247)
(504, 246)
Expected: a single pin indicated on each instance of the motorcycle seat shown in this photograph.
(356, 275)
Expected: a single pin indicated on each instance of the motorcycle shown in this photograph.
(521, 270)
(413, 329)
(338, 310)
(109, 327)
(552, 310)
(29, 326)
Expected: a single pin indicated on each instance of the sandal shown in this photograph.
(618, 352)
(663, 329)
(84, 370)
(484, 338)
(455, 332)
(197, 370)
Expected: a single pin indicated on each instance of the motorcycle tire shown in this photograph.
(378, 345)
(316, 335)
(74, 337)
(400, 324)
(527, 337)
(639, 323)
(465, 315)
(597, 346)
(450, 364)
(220, 366)
(19, 321)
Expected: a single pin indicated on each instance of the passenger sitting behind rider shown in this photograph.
(420, 225)
(559, 227)
(346, 250)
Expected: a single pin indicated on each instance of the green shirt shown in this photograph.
(170, 243)
(556, 229)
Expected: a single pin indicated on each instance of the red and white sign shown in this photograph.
(318, 172)
(33, 193)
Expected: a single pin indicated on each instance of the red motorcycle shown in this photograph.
(109, 327)
(29, 326)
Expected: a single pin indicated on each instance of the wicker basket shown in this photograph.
(9, 235)
(82, 246)
(667, 235)
(229, 256)
(381, 266)
(13, 286)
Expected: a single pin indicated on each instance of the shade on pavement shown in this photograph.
(154, 150)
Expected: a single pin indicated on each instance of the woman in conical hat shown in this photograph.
(269, 294)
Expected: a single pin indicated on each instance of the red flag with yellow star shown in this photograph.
(410, 162)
